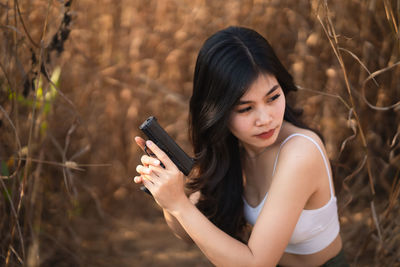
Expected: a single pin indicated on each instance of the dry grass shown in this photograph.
(66, 158)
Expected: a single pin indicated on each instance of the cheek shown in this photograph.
(237, 125)
(281, 107)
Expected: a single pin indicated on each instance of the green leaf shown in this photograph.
(43, 128)
(4, 169)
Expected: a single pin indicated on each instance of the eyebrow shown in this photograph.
(273, 89)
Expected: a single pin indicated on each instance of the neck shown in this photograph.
(254, 154)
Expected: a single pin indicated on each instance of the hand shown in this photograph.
(165, 184)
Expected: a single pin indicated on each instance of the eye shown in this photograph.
(243, 110)
(274, 97)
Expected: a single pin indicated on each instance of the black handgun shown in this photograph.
(160, 137)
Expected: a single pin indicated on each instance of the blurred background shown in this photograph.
(77, 78)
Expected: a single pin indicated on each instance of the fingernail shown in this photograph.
(149, 143)
(156, 162)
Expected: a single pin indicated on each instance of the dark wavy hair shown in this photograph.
(227, 64)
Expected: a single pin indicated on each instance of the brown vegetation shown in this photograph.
(66, 142)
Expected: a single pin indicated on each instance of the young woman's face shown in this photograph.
(258, 116)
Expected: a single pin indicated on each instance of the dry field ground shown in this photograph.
(78, 77)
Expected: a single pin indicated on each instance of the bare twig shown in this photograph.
(394, 140)
(16, 4)
(17, 255)
(14, 212)
(25, 175)
(18, 143)
(347, 179)
(47, 76)
(390, 16)
(359, 61)
(341, 99)
(372, 76)
(394, 194)
(376, 221)
(11, 28)
(334, 44)
(67, 164)
(351, 137)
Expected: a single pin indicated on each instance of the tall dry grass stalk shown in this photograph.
(385, 251)
(77, 78)
(29, 90)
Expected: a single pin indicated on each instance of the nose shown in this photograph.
(263, 117)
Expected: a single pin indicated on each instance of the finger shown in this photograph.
(149, 185)
(150, 173)
(146, 160)
(156, 172)
(138, 179)
(147, 178)
(140, 142)
(160, 155)
(143, 170)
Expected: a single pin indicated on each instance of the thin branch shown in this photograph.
(376, 221)
(351, 137)
(11, 28)
(14, 212)
(25, 175)
(372, 76)
(336, 50)
(67, 164)
(326, 94)
(390, 16)
(18, 143)
(17, 255)
(349, 177)
(359, 61)
(47, 76)
(23, 24)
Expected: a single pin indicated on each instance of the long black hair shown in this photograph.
(227, 64)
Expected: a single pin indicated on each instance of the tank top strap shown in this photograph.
(320, 150)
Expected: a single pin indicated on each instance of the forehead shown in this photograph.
(261, 85)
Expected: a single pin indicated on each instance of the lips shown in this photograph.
(266, 135)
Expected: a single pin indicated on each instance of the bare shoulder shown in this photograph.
(303, 138)
(300, 138)
(302, 154)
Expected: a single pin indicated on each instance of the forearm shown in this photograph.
(173, 223)
(176, 227)
(220, 248)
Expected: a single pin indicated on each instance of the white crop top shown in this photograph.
(315, 229)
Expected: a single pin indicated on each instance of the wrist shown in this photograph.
(180, 206)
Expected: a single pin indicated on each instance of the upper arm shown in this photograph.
(293, 183)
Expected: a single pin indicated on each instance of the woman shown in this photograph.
(255, 164)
